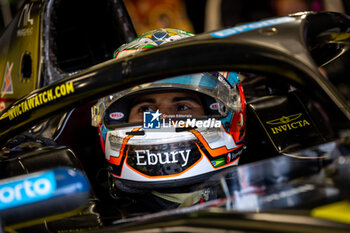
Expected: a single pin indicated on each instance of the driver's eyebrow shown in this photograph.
(175, 99)
(141, 101)
(186, 98)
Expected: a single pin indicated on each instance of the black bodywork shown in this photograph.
(297, 126)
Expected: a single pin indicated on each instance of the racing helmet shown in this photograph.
(176, 150)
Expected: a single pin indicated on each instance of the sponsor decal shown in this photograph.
(7, 87)
(38, 100)
(151, 120)
(214, 106)
(224, 82)
(25, 22)
(284, 119)
(251, 26)
(116, 115)
(146, 157)
(287, 123)
(218, 162)
(27, 190)
(230, 157)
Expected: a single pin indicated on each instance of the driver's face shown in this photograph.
(169, 103)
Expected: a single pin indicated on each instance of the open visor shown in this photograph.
(216, 95)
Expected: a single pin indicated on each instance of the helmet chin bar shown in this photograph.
(159, 156)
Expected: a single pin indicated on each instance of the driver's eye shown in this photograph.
(182, 107)
(146, 108)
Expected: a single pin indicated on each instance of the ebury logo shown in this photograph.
(146, 157)
(287, 123)
(27, 190)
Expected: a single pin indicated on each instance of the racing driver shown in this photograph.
(162, 139)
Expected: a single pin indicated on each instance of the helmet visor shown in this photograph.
(212, 92)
